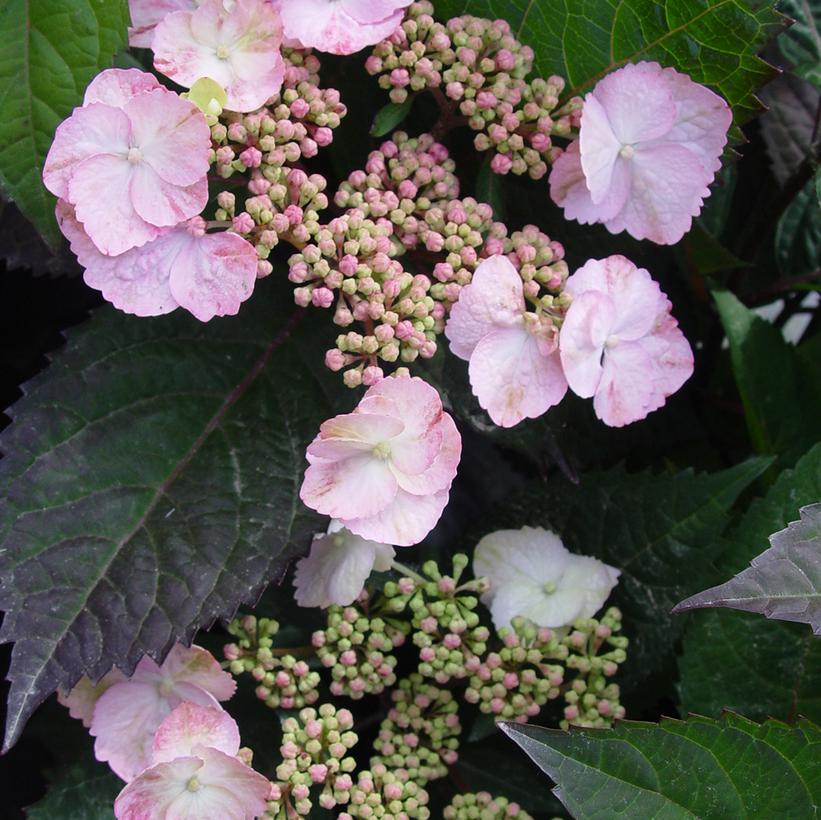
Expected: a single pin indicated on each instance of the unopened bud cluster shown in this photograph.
(357, 648)
(477, 68)
(420, 735)
(382, 793)
(314, 751)
(595, 652)
(483, 806)
(283, 680)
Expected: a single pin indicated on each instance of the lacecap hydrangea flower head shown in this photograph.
(649, 146)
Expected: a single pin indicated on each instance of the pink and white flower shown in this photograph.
(514, 365)
(207, 274)
(619, 343)
(341, 26)
(146, 14)
(132, 161)
(237, 48)
(385, 470)
(128, 713)
(649, 146)
(337, 567)
(195, 772)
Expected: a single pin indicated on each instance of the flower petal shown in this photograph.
(82, 699)
(116, 86)
(189, 727)
(439, 476)
(627, 390)
(586, 328)
(145, 14)
(568, 187)
(606, 174)
(160, 203)
(584, 587)
(197, 666)
(373, 11)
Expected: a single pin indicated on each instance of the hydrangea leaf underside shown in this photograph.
(729, 767)
(716, 42)
(150, 486)
(49, 52)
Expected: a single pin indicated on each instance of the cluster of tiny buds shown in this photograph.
(447, 628)
(592, 700)
(382, 793)
(477, 67)
(314, 750)
(283, 680)
(483, 806)
(514, 682)
(358, 647)
(420, 735)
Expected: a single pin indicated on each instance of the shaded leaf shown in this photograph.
(661, 531)
(49, 51)
(801, 43)
(798, 234)
(716, 42)
(784, 582)
(150, 486)
(772, 380)
(490, 188)
(389, 117)
(729, 767)
(741, 661)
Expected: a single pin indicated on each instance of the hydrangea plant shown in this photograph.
(410, 241)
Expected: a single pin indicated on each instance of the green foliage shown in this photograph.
(715, 41)
(49, 51)
(741, 661)
(783, 582)
(801, 43)
(798, 235)
(390, 116)
(150, 486)
(729, 767)
(773, 382)
(661, 531)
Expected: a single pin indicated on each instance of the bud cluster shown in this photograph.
(284, 681)
(357, 647)
(592, 700)
(477, 68)
(420, 735)
(483, 806)
(314, 750)
(382, 793)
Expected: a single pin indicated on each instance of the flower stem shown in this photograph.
(408, 572)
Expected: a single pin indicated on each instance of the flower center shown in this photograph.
(611, 341)
(549, 587)
(135, 156)
(382, 450)
(193, 785)
(166, 687)
(627, 152)
(223, 52)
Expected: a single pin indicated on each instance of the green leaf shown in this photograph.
(716, 42)
(661, 531)
(801, 43)
(697, 768)
(783, 582)
(741, 661)
(490, 189)
(49, 51)
(772, 380)
(818, 186)
(84, 791)
(151, 485)
(389, 117)
(798, 234)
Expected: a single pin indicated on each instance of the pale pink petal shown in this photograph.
(582, 340)
(159, 203)
(369, 428)
(116, 86)
(180, 55)
(362, 485)
(225, 789)
(627, 390)
(702, 119)
(88, 132)
(606, 174)
(100, 192)
(412, 400)
(82, 699)
(373, 11)
(637, 101)
(197, 666)
(189, 727)
(512, 379)
(494, 298)
(568, 187)
(440, 474)
(145, 14)
(405, 521)
(668, 189)
(672, 355)
(172, 136)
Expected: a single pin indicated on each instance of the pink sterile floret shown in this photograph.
(385, 470)
(237, 48)
(514, 367)
(128, 714)
(649, 146)
(131, 161)
(340, 26)
(619, 342)
(207, 274)
(145, 14)
(195, 772)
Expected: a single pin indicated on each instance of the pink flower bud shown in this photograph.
(251, 157)
(300, 108)
(501, 164)
(322, 297)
